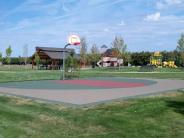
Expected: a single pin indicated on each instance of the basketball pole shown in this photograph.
(64, 50)
(71, 42)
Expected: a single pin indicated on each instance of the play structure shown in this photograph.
(156, 60)
(170, 64)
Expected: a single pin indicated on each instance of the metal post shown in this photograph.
(64, 50)
(64, 64)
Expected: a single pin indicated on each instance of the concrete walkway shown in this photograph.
(83, 97)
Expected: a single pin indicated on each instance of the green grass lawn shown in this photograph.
(153, 116)
(137, 69)
(154, 75)
(9, 76)
(23, 75)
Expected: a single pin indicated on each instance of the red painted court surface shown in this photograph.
(102, 83)
(87, 83)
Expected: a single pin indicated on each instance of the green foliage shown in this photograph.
(94, 56)
(169, 56)
(180, 46)
(8, 54)
(140, 58)
(1, 57)
(17, 60)
(126, 58)
(71, 63)
(176, 56)
(37, 59)
(72, 67)
(25, 53)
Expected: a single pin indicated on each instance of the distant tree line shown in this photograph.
(143, 58)
(7, 59)
(16, 61)
(118, 45)
(135, 58)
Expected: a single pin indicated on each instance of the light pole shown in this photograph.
(64, 50)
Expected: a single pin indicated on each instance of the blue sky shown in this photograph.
(145, 25)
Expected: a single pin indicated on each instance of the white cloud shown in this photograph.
(38, 6)
(65, 8)
(165, 3)
(106, 30)
(122, 23)
(153, 17)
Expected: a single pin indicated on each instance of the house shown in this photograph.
(51, 58)
(110, 59)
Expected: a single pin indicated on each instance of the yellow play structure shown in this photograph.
(156, 60)
(170, 64)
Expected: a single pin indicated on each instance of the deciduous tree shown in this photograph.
(37, 60)
(83, 51)
(25, 53)
(1, 58)
(94, 55)
(180, 46)
(8, 55)
(119, 44)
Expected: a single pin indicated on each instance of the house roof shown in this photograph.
(104, 46)
(111, 53)
(53, 53)
(52, 49)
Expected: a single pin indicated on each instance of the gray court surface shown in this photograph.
(92, 96)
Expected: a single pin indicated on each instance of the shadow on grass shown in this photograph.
(177, 106)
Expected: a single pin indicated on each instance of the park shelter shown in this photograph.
(51, 58)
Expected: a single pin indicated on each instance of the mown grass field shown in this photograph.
(154, 116)
(23, 75)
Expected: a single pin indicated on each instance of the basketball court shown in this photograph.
(89, 90)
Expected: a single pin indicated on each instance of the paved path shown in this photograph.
(82, 97)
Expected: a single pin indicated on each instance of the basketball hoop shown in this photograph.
(74, 40)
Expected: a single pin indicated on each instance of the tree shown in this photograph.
(126, 58)
(95, 55)
(94, 49)
(8, 55)
(37, 60)
(140, 58)
(25, 53)
(83, 51)
(71, 67)
(1, 58)
(180, 46)
(119, 44)
(179, 58)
